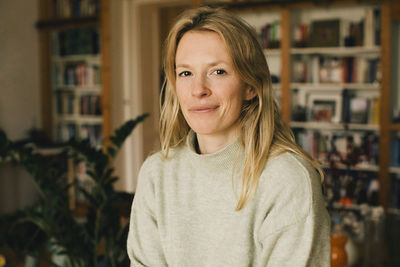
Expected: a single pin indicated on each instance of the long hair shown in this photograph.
(262, 128)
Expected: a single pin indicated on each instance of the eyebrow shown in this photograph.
(211, 64)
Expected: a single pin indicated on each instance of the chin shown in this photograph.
(202, 129)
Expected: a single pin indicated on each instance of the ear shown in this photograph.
(250, 93)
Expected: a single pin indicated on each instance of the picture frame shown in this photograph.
(325, 33)
(324, 107)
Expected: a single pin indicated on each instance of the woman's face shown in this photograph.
(209, 90)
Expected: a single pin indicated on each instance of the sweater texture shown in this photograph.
(184, 213)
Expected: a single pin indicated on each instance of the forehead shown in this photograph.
(201, 43)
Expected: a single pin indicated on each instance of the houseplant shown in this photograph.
(50, 225)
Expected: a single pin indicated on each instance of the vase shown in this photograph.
(338, 250)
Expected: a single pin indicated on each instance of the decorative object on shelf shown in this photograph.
(325, 33)
(82, 238)
(374, 237)
(338, 246)
(324, 107)
(2, 261)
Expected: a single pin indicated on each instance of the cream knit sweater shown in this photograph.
(184, 213)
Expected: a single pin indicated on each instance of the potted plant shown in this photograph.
(50, 225)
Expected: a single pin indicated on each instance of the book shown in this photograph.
(369, 30)
(359, 110)
(395, 162)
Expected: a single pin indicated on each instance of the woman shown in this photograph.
(230, 187)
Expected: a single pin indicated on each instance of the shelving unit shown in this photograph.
(374, 44)
(75, 77)
(328, 82)
(74, 38)
(334, 126)
(336, 51)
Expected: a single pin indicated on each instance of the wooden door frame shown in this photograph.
(138, 90)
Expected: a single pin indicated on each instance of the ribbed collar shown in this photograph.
(223, 158)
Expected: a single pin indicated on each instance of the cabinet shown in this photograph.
(333, 63)
(75, 78)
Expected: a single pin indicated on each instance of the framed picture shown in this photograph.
(324, 107)
(325, 33)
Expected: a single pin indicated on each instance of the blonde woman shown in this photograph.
(229, 187)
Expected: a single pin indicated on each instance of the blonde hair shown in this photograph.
(262, 128)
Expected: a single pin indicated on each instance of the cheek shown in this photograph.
(180, 93)
(232, 104)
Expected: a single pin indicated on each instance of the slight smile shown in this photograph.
(204, 109)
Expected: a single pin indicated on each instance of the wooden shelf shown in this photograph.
(394, 170)
(279, 3)
(92, 58)
(51, 24)
(272, 52)
(336, 51)
(395, 127)
(393, 211)
(81, 119)
(93, 89)
(336, 86)
(367, 168)
(353, 207)
(334, 126)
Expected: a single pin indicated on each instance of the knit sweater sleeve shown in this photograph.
(144, 244)
(295, 230)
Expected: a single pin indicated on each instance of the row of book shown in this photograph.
(395, 162)
(68, 104)
(269, 36)
(395, 196)
(340, 150)
(318, 69)
(68, 131)
(348, 188)
(360, 109)
(77, 74)
(339, 32)
(344, 108)
(75, 8)
(76, 41)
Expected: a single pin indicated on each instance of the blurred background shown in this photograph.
(79, 69)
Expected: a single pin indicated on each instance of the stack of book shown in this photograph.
(76, 41)
(75, 8)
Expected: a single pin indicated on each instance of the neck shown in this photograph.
(207, 144)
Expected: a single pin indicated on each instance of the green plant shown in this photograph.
(50, 224)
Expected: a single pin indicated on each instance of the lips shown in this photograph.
(203, 108)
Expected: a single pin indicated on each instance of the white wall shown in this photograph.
(135, 68)
(19, 92)
(19, 67)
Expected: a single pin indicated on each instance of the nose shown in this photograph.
(199, 87)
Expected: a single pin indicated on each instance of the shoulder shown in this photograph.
(157, 163)
(290, 170)
(288, 189)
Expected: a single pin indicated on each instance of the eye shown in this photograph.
(220, 72)
(184, 73)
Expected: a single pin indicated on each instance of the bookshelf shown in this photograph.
(75, 66)
(75, 77)
(362, 42)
